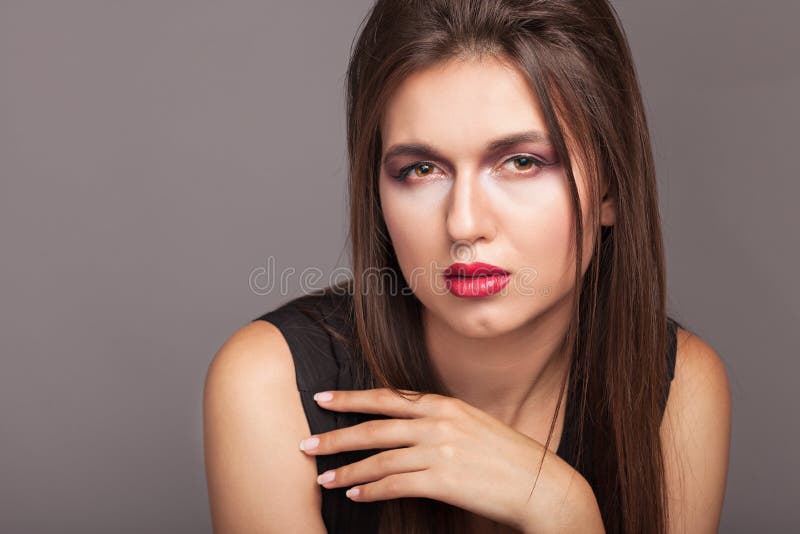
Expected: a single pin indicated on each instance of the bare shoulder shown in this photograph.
(698, 364)
(258, 348)
(695, 436)
(253, 420)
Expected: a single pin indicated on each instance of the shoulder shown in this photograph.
(253, 420)
(695, 435)
(697, 363)
(700, 380)
(256, 353)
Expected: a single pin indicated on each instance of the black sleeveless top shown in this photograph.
(323, 363)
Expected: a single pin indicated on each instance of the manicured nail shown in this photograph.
(323, 396)
(327, 476)
(309, 443)
(352, 492)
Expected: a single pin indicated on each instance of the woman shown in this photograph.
(509, 270)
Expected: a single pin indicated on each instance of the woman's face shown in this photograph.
(466, 200)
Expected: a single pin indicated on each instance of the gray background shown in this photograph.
(154, 154)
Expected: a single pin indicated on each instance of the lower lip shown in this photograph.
(476, 286)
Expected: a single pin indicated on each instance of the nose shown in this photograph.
(468, 215)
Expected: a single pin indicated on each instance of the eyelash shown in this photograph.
(403, 174)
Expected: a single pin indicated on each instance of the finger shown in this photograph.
(414, 484)
(378, 466)
(385, 401)
(375, 434)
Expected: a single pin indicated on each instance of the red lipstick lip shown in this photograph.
(473, 269)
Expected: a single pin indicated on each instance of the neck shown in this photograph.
(515, 374)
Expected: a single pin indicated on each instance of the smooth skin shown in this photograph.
(497, 354)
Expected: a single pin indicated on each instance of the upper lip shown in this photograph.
(473, 269)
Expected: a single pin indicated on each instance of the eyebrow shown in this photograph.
(425, 150)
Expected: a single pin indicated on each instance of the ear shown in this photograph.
(608, 207)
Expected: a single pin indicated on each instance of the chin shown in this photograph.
(479, 318)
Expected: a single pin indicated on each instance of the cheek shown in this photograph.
(544, 232)
(414, 221)
(539, 227)
(536, 218)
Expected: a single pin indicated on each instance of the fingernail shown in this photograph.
(352, 492)
(327, 476)
(309, 443)
(323, 396)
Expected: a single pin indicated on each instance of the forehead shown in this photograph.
(461, 103)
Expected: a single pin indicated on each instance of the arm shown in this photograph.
(695, 436)
(253, 420)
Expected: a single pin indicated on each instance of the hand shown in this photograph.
(445, 449)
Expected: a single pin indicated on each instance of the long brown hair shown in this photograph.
(577, 60)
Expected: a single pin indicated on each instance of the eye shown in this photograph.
(524, 163)
(421, 169)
